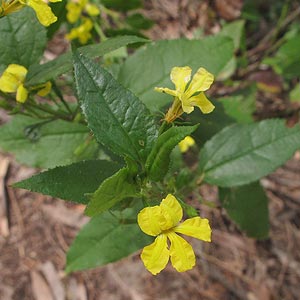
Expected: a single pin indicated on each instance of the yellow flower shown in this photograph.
(76, 8)
(186, 98)
(163, 222)
(41, 8)
(12, 81)
(186, 143)
(82, 32)
(44, 89)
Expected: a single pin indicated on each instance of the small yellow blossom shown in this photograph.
(76, 8)
(163, 222)
(186, 143)
(44, 89)
(12, 81)
(186, 98)
(41, 8)
(82, 32)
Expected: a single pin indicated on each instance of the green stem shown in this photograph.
(99, 30)
(47, 110)
(34, 113)
(163, 127)
(52, 96)
(113, 14)
(60, 96)
(24, 114)
(282, 17)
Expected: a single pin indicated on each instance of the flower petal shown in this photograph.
(172, 212)
(45, 89)
(201, 82)
(8, 83)
(22, 94)
(149, 220)
(166, 91)
(187, 107)
(181, 252)
(186, 143)
(92, 9)
(12, 77)
(202, 102)
(43, 12)
(195, 227)
(73, 12)
(156, 256)
(81, 32)
(180, 76)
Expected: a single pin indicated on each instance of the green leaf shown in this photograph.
(23, 38)
(241, 106)
(115, 115)
(240, 154)
(157, 164)
(248, 207)
(122, 5)
(114, 32)
(228, 70)
(287, 59)
(138, 21)
(294, 94)
(234, 30)
(210, 123)
(45, 145)
(70, 182)
(212, 53)
(103, 240)
(59, 10)
(111, 191)
(41, 73)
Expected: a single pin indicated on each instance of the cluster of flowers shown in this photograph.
(79, 12)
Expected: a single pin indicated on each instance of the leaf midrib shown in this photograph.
(115, 118)
(224, 162)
